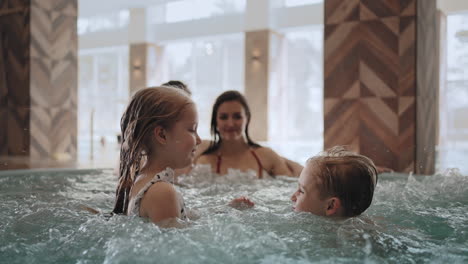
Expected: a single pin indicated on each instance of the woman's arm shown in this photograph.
(277, 163)
(294, 167)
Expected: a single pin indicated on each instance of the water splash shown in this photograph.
(412, 219)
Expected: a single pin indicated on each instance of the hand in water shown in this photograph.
(241, 203)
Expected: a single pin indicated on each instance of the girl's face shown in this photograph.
(231, 120)
(307, 196)
(182, 138)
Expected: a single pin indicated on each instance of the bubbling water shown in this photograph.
(412, 219)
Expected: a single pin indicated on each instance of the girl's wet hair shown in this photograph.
(347, 175)
(148, 108)
(228, 96)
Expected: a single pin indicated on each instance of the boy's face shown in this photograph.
(307, 196)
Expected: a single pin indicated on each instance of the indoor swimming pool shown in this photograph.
(413, 219)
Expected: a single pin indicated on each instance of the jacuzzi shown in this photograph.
(412, 219)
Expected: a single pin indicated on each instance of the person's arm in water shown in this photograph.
(241, 203)
(383, 169)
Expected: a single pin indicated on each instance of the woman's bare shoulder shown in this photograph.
(206, 159)
(266, 152)
(204, 145)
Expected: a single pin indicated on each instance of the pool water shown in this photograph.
(412, 220)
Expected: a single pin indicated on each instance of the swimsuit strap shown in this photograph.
(218, 164)
(260, 166)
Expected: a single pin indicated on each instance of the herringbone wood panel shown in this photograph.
(38, 77)
(372, 59)
(53, 77)
(14, 77)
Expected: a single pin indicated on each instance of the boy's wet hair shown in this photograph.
(347, 175)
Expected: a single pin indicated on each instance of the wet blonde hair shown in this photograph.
(148, 108)
(347, 175)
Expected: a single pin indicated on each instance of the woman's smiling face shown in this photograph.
(231, 120)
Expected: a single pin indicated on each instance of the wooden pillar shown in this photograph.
(38, 78)
(379, 95)
(143, 61)
(257, 46)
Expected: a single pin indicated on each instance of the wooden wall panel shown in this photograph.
(14, 77)
(38, 77)
(427, 72)
(372, 58)
(54, 77)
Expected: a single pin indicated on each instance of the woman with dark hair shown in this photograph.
(232, 147)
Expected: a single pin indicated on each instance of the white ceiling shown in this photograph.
(92, 7)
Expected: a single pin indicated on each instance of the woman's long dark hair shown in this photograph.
(149, 108)
(228, 96)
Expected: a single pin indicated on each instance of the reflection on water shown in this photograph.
(412, 219)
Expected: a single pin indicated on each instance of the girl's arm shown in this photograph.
(160, 203)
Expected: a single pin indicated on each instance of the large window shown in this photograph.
(185, 10)
(103, 22)
(209, 66)
(102, 98)
(296, 97)
(453, 148)
(291, 3)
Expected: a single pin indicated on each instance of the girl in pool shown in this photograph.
(232, 147)
(159, 134)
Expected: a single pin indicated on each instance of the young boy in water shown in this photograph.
(335, 183)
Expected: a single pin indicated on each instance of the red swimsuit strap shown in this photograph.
(218, 164)
(260, 166)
